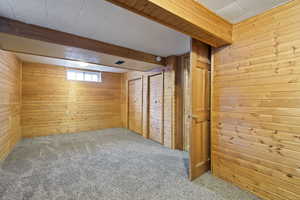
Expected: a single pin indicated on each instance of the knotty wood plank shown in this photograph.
(255, 105)
(53, 105)
(10, 102)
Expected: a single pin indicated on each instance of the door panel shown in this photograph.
(156, 107)
(135, 105)
(200, 111)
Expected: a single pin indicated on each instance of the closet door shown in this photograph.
(155, 109)
(135, 105)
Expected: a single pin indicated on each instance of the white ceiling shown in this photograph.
(67, 63)
(99, 20)
(103, 21)
(236, 11)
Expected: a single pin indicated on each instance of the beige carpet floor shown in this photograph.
(112, 164)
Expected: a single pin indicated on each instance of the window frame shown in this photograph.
(84, 72)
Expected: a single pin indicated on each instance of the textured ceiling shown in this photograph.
(236, 11)
(99, 20)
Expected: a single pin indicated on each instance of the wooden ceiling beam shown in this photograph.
(34, 32)
(186, 16)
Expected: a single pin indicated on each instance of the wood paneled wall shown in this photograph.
(256, 105)
(10, 102)
(168, 99)
(53, 105)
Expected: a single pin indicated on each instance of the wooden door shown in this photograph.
(200, 110)
(135, 105)
(155, 109)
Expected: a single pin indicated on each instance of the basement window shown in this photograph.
(78, 75)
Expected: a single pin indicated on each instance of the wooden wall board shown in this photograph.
(169, 103)
(255, 105)
(51, 104)
(155, 107)
(179, 140)
(185, 62)
(135, 105)
(10, 102)
(186, 16)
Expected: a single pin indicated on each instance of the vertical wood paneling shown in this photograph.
(169, 103)
(185, 64)
(53, 105)
(10, 102)
(179, 103)
(256, 118)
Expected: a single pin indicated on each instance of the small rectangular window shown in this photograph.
(77, 75)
